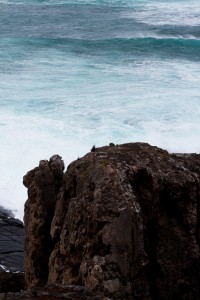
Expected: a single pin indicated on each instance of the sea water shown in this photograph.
(79, 73)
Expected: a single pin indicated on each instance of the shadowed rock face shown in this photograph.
(55, 293)
(11, 282)
(123, 220)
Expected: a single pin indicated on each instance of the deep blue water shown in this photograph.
(78, 73)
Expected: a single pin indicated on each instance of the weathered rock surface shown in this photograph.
(43, 185)
(11, 242)
(124, 220)
(55, 293)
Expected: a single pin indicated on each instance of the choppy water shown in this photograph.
(78, 73)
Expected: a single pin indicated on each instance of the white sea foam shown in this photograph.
(28, 139)
(25, 142)
(4, 268)
(64, 96)
(167, 13)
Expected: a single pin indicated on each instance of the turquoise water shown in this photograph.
(78, 73)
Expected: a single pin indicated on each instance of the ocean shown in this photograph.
(74, 74)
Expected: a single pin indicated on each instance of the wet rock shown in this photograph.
(123, 221)
(11, 242)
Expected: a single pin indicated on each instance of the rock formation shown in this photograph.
(43, 185)
(123, 220)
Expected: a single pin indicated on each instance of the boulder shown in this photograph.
(122, 221)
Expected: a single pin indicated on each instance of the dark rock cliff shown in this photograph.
(122, 221)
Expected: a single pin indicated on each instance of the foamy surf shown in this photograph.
(83, 73)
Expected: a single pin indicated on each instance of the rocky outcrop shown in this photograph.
(11, 242)
(123, 220)
(43, 185)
